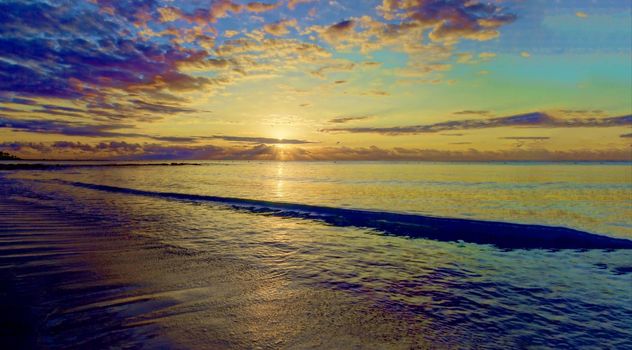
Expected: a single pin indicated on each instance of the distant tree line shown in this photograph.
(7, 156)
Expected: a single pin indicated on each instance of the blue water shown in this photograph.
(454, 293)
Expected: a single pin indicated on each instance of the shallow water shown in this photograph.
(591, 197)
(452, 294)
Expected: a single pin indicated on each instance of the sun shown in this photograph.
(280, 134)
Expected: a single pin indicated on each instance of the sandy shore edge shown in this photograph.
(72, 282)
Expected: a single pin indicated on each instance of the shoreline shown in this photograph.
(46, 270)
(72, 283)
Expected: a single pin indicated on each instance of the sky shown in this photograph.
(441, 80)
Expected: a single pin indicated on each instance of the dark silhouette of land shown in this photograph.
(45, 166)
(7, 156)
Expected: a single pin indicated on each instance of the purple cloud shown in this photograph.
(536, 119)
(450, 19)
(91, 53)
(137, 151)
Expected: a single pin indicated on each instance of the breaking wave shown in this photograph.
(501, 234)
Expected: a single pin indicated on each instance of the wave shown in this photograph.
(504, 235)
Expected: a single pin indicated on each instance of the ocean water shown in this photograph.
(449, 293)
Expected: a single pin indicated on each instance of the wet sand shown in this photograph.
(78, 282)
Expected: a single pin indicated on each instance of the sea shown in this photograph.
(448, 255)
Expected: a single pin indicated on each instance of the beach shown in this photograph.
(69, 282)
(133, 257)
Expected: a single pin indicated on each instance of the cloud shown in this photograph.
(342, 120)
(230, 33)
(161, 108)
(375, 93)
(470, 58)
(8, 109)
(536, 119)
(121, 150)
(258, 7)
(426, 31)
(128, 57)
(111, 54)
(450, 20)
(407, 24)
(65, 128)
(61, 108)
(104, 65)
(130, 108)
(59, 127)
(137, 151)
(17, 100)
(526, 138)
(338, 31)
(464, 57)
(89, 55)
(217, 9)
(111, 131)
(261, 140)
(75, 53)
(322, 72)
(254, 57)
(291, 4)
(169, 14)
(473, 112)
(368, 35)
(73, 150)
(375, 153)
(172, 139)
(522, 138)
(581, 112)
(27, 147)
(280, 28)
(529, 141)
